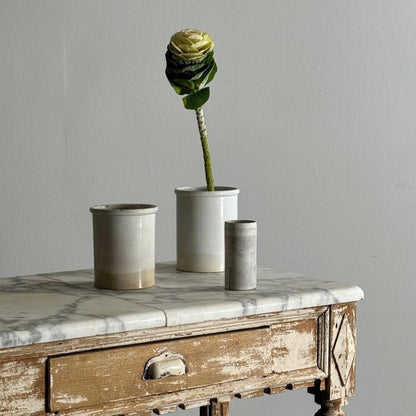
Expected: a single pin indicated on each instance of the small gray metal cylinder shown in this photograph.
(240, 254)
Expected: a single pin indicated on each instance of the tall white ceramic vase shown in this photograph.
(124, 246)
(200, 218)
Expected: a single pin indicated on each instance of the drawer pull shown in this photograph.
(164, 365)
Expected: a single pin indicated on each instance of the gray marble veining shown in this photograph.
(65, 305)
(59, 306)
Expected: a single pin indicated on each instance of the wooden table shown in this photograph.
(70, 349)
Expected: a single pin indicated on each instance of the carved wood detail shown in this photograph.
(195, 403)
(165, 410)
(344, 350)
(340, 383)
(294, 349)
(333, 408)
(250, 394)
(218, 407)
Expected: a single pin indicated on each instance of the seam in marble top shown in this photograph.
(65, 305)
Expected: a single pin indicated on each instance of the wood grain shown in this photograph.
(342, 369)
(270, 353)
(22, 386)
(91, 378)
(340, 384)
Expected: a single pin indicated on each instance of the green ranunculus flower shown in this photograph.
(190, 66)
(190, 45)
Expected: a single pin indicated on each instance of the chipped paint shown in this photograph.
(295, 346)
(19, 392)
(68, 399)
(237, 357)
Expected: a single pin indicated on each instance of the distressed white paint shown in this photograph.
(18, 380)
(68, 399)
(344, 350)
(231, 366)
(297, 346)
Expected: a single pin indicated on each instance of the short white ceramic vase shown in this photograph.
(124, 246)
(200, 218)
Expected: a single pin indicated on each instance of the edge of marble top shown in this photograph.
(78, 310)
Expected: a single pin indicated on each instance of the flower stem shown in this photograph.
(205, 148)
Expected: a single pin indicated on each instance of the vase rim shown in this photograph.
(202, 191)
(242, 223)
(124, 209)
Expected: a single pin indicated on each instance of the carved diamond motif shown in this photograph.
(344, 350)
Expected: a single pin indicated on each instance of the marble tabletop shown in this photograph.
(65, 305)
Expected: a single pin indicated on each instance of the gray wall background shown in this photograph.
(312, 115)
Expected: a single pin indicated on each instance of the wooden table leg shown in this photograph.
(340, 384)
(330, 408)
(215, 409)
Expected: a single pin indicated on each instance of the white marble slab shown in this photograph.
(192, 297)
(43, 308)
(58, 306)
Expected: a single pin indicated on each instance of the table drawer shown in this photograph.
(103, 376)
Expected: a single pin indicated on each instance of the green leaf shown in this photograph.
(188, 77)
(208, 75)
(182, 87)
(196, 100)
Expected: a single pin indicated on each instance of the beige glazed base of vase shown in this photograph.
(200, 217)
(200, 262)
(124, 246)
(124, 281)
